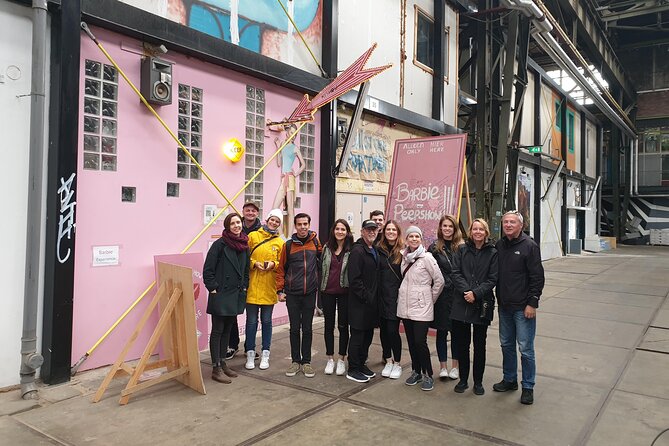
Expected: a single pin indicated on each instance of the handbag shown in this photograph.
(487, 310)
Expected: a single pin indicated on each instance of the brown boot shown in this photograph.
(217, 375)
(228, 371)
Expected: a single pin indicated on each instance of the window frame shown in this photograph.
(447, 31)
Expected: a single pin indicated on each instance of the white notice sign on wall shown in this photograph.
(105, 255)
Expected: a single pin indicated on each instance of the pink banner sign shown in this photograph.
(426, 181)
(194, 261)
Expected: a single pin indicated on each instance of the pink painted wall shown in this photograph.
(156, 224)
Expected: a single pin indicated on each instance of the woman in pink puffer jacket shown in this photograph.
(422, 283)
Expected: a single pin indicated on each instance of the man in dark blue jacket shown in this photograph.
(519, 287)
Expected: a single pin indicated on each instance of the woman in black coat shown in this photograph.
(449, 239)
(226, 276)
(474, 277)
(389, 248)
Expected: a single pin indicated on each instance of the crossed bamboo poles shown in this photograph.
(85, 28)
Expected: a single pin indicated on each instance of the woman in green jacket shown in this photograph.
(226, 276)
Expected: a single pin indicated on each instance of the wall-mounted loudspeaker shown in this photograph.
(156, 81)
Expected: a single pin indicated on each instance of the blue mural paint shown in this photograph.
(213, 17)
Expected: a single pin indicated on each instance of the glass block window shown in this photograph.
(100, 116)
(254, 156)
(189, 131)
(307, 147)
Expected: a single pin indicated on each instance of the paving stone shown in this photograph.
(662, 319)
(555, 418)
(364, 426)
(15, 433)
(598, 310)
(656, 339)
(616, 334)
(631, 419)
(647, 375)
(611, 297)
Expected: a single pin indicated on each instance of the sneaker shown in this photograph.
(231, 353)
(308, 370)
(368, 373)
(341, 367)
(461, 387)
(527, 397)
(443, 374)
(414, 379)
(387, 369)
(329, 367)
(250, 357)
(357, 376)
(478, 389)
(505, 386)
(427, 384)
(293, 369)
(264, 360)
(454, 374)
(396, 372)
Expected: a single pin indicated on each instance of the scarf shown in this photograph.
(411, 257)
(237, 242)
(269, 231)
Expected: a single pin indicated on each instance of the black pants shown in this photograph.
(391, 341)
(301, 315)
(416, 332)
(332, 302)
(234, 336)
(358, 348)
(462, 336)
(219, 338)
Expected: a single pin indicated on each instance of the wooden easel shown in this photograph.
(176, 327)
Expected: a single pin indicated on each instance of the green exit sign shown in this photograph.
(534, 149)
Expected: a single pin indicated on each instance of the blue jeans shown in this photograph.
(252, 325)
(515, 327)
(442, 347)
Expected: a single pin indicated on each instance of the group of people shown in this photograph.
(387, 277)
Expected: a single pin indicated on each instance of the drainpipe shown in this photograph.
(31, 360)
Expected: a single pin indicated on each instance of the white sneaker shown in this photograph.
(455, 374)
(250, 358)
(396, 372)
(387, 369)
(443, 373)
(264, 360)
(329, 367)
(341, 367)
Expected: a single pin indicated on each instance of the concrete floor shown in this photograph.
(602, 361)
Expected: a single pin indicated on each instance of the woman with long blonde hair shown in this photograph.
(449, 239)
(390, 247)
(474, 277)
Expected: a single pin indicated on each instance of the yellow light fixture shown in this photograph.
(233, 150)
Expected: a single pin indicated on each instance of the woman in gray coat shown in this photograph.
(226, 276)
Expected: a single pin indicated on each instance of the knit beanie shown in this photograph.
(413, 230)
(278, 213)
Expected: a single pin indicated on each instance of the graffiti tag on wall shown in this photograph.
(66, 215)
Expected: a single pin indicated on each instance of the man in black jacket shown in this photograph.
(363, 265)
(519, 287)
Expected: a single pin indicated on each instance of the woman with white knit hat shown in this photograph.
(265, 245)
(422, 283)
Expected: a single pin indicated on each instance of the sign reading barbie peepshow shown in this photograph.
(426, 181)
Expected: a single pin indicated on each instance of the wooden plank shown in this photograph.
(153, 341)
(152, 382)
(121, 358)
